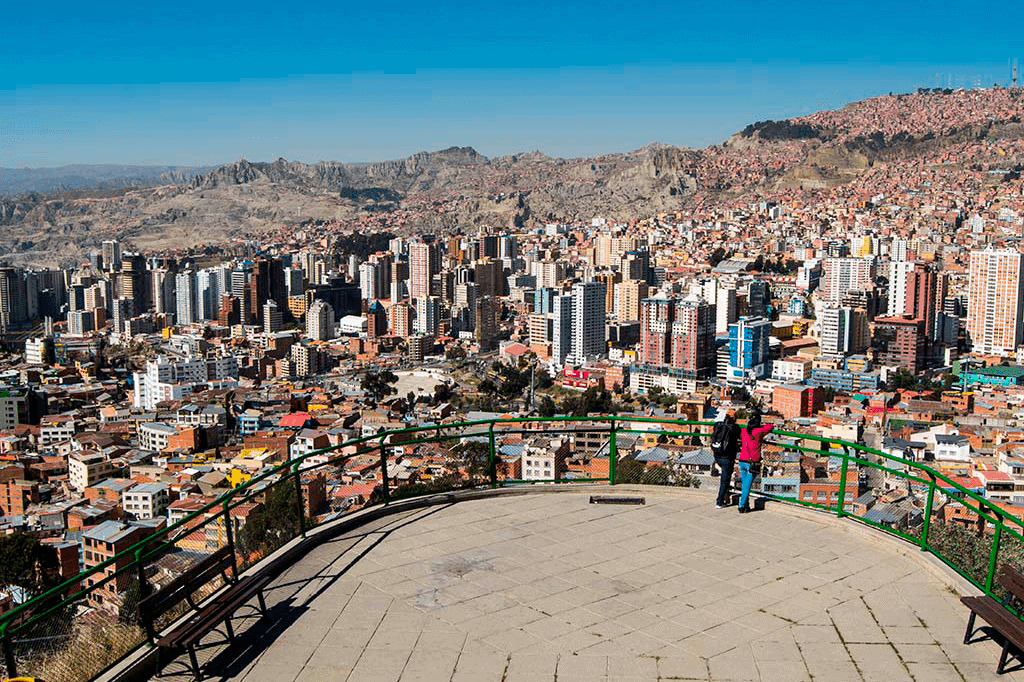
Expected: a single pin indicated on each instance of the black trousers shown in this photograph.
(725, 485)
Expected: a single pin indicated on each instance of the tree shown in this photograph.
(547, 407)
(27, 564)
(716, 256)
(378, 383)
(276, 523)
(476, 459)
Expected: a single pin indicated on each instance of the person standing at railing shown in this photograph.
(724, 443)
(750, 456)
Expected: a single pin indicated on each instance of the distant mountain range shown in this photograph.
(14, 181)
(166, 208)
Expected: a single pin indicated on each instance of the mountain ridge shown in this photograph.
(458, 188)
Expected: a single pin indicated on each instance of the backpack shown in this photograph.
(720, 438)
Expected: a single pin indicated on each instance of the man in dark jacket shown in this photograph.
(724, 444)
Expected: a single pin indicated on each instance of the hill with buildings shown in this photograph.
(869, 143)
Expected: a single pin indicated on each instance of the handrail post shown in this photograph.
(492, 456)
(298, 500)
(841, 503)
(993, 556)
(140, 569)
(384, 471)
(9, 661)
(613, 452)
(926, 523)
(229, 534)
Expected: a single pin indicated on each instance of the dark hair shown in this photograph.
(753, 422)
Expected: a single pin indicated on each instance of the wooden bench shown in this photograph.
(996, 614)
(203, 617)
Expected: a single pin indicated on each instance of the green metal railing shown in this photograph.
(76, 630)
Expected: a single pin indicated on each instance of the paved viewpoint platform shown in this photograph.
(545, 587)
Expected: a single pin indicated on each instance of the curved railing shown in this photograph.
(79, 628)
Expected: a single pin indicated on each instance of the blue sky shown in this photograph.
(210, 82)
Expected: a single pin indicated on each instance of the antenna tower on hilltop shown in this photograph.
(1013, 72)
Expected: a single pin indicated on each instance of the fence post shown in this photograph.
(613, 452)
(12, 666)
(993, 556)
(841, 507)
(298, 500)
(140, 570)
(492, 457)
(926, 523)
(384, 471)
(230, 535)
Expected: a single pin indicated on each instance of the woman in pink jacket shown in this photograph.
(752, 438)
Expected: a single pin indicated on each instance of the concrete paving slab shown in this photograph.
(542, 585)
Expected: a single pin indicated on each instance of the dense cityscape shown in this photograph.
(887, 311)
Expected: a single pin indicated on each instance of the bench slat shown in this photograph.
(996, 615)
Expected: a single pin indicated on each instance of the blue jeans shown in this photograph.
(747, 470)
(725, 465)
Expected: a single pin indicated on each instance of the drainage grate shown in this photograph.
(609, 499)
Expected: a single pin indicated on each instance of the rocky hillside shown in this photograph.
(459, 188)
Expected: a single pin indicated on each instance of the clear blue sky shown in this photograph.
(208, 82)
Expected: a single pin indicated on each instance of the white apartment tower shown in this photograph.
(588, 322)
(995, 301)
(320, 321)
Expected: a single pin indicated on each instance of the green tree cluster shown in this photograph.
(27, 564)
(379, 383)
(271, 526)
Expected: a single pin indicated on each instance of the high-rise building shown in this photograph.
(561, 328)
(428, 313)
(995, 301)
(369, 287)
(163, 296)
(508, 247)
(900, 342)
(401, 319)
(208, 293)
(13, 309)
(609, 279)
(631, 293)
(843, 331)
(726, 306)
(898, 271)
(272, 317)
(111, 255)
(294, 281)
(759, 298)
(678, 333)
(186, 310)
(693, 338)
(748, 350)
(81, 322)
(656, 317)
(489, 276)
(486, 323)
(424, 262)
(488, 245)
(588, 322)
(320, 321)
(267, 283)
(123, 309)
(844, 274)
